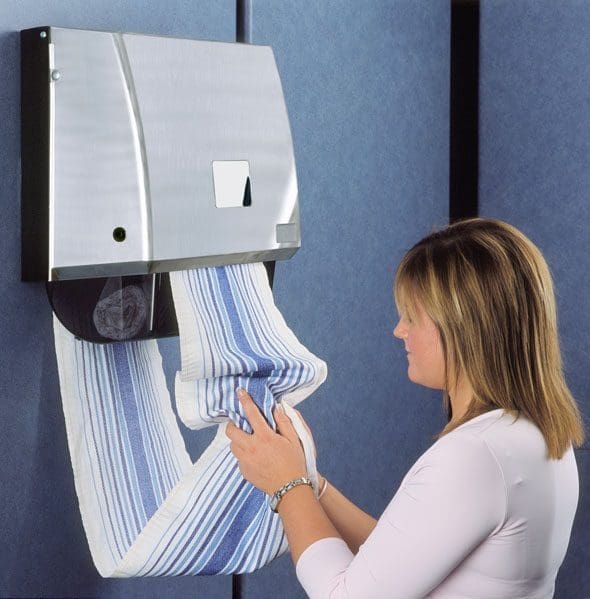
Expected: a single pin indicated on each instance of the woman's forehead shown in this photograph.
(408, 302)
(406, 293)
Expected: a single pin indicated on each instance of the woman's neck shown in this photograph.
(460, 397)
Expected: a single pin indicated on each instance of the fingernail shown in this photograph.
(240, 392)
(280, 408)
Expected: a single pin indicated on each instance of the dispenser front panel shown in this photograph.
(98, 211)
(164, 154)
(202, 105)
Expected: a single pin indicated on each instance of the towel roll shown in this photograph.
(121, 313)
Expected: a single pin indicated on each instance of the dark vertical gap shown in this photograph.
(464, 113)
(244, 35)
(244, 21)
(464, 135)
(236, 586)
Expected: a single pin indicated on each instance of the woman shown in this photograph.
(487, 511)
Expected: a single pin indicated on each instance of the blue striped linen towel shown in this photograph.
(146, 509)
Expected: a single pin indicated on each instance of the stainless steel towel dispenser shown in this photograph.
(145, 154)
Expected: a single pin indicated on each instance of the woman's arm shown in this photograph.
(353, 524)
(450, 502)
(304, 520)
(269, 460)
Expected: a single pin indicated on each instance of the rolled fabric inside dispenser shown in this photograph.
(147, 510)
(121, 312)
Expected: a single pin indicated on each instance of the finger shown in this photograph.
(285, 426)
(236, 435)
(253, 414)
(235, 449)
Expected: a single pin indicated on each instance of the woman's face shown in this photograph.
(426, 363)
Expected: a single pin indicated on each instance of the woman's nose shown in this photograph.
(399, 331)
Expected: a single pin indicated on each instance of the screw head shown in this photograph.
(55, 75)
(43, 35)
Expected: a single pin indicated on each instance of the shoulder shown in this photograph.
(467, 454)
(493, 447)
(460, 476)
(470, 439)
(463, 456)
(508, 436)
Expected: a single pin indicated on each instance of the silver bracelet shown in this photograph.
(280, 493)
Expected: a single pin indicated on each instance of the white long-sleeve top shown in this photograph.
(482, 514)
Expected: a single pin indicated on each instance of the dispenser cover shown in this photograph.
(144, 154)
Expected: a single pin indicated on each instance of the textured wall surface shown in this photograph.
(535, 173)
(44, 550)
(366, 86)
(367, 92)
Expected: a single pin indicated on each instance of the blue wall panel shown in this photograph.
(367, 90)
(366, 86)
(535, 173)
(44, 551)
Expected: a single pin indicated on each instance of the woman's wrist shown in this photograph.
(292, 500)
(278, 495)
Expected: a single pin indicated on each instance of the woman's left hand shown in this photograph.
(266, 459)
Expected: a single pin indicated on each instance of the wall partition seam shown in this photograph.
(243, 35)
(464, 112)
(244, 21)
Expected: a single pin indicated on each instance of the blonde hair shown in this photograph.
(489, 291)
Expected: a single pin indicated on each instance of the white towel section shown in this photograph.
(233, 335)
(242, 339)
(146, 509)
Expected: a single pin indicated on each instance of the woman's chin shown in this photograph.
(413, 376)
(421, 380)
